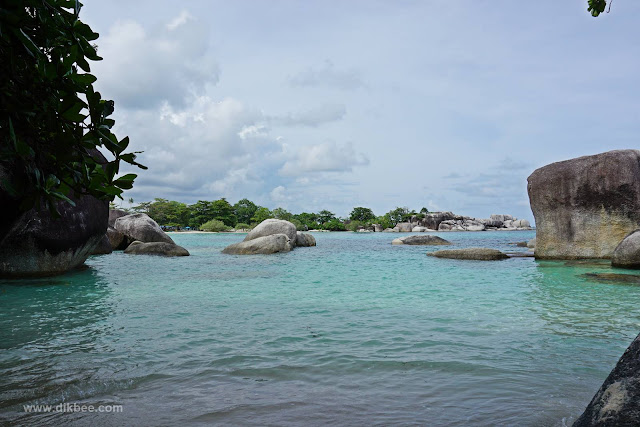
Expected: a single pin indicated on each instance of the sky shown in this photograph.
(332, 104)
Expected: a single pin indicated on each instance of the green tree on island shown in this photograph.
(281, 213)
(398, 215)
(53, 121)
(362, 214)
(325, 216)
(244, 210)
(223, 211)
(261, 214)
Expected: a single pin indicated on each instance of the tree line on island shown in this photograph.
(220, 215)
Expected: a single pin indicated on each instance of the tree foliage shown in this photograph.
(214, 225)
(398, 215)
(361, 214)
(260, 215)
(223, 211)
(244, 210)
(596, 7)
(52, 121)
(281, 213)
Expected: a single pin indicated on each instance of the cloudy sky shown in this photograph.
(312, 105)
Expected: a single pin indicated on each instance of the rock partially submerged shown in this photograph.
(584, 207)
(34, 243)
(156, 248)
(617, 402)
(627, 279)
(141, 227)
(627, 253)
(304, 239)
(272, 226)
(269, 237)
(260, 245)
(479, 254)
(420, 240)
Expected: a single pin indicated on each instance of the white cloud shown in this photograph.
(324, 157)
(179, 20)
(143, 68)
(279, 194)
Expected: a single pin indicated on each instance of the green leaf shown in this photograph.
(86, 79)
(112, 190)
(126, 181)
(82, 63)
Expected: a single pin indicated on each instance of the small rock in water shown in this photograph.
(156, 248)
(420, 240)
(479, 254)
(632, 279)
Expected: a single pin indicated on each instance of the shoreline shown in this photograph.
(361, 232)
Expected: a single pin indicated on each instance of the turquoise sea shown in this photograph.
(354, 332)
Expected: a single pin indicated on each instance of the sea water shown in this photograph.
(354, 331)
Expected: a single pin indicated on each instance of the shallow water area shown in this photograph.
(354, 331)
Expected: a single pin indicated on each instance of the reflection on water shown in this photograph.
(354, 331)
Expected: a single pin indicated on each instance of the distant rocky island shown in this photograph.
(448, 221)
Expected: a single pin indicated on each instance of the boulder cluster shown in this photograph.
(269, 237)
(137, 234)
(448, 221)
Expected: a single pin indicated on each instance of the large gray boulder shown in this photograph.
(627, 253)
(521, 223)
(141, 227)
(451, 225)
(473, 225)
(304, 239)
(272, 226)
(115, 214)
(156, 248)
(617, 402)
(403, 227)
(33, 243)
(479, 254)
(260, 245)
(420, 240)
(584, 207)
(117, 240)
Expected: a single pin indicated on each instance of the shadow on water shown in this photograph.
(44, 323)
